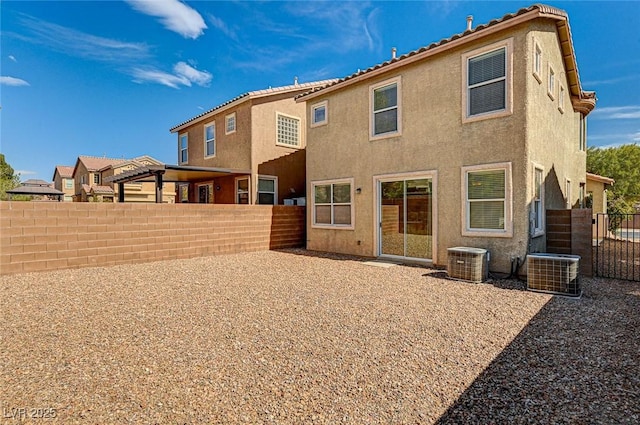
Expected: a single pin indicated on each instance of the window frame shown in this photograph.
(372, 89)
(68, 183)
(506, 44)
(248, 191)
(183, 149)
(507, 232)
(540, 210)
(537, 61)
(551, 83)
(275, 188)
(567, 189)
(206, 141)
(293, 117)
(96, 178)
(583, 133)
(227, 119)
(333, 182)
(324, 104)
(561, 98)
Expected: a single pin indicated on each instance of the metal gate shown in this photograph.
(616, 246)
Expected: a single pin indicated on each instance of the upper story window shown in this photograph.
(487, 81)
(288, 130)
(561, 99)
(184, 148)
(230, 123)
(319, 114)
(96, 178)
(210, 140)
(83, 179)
(567, 192)
(551, 89)
(537, 222)
(487, 210)
(68, 183)
(385, 108)
(537, 62)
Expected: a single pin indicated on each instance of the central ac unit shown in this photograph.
(469, 264)
(554, 273)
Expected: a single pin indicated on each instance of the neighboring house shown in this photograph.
(36, 190)
(465, 142)
(63, 181)
(597, 187)
(257, 141)
(90, 174)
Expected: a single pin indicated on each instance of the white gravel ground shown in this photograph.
(294, 337)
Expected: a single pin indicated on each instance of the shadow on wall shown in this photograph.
(575, 362)
(291, 172)
(553, 196)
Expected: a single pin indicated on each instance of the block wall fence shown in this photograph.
(39, 236)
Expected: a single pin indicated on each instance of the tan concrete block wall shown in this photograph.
(48, 236)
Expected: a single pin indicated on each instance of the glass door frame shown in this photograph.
(377, 185)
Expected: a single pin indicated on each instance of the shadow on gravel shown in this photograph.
(576, 361)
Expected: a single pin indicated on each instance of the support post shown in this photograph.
(120, 192)
(158, 188)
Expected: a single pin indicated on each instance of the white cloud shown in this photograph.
(222, 26)
(183, 75)
(26, 173)
(617, 112)
(614, 80)
(174, 15)
(84, 45)
(13, 58)
(11, 81)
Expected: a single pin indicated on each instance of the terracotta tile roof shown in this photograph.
(585, 100)
(65, 171)
(257, 93)
(95, 163)
(101, 189)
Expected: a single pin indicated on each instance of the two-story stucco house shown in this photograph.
(257, 141)
(63, 181)
(465, 142)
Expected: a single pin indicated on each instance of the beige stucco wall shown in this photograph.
(59, 183)
(553, 137)
(433, 139)
(599, 193)
(232, 150)
(264, 133)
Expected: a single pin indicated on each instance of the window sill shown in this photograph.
(486, 116)
(383, 136)
(228, 133)
(210, 156)
(488, 233)
(538, 233)
(318, 124)
(537, 77)
(332, 227)
(284, 145)
(551, 96)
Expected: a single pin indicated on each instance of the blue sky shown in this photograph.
(110, 78)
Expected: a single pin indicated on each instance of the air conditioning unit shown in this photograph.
(554, 273)
(469, 264)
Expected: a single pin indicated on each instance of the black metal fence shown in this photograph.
(616, 246)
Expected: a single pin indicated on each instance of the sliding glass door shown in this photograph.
(406, 218)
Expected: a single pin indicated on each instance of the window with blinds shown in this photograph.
(385, 108)
(487, 199)
(332, 204)
(486, 82)
(210, 140)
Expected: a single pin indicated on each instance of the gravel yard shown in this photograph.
(294, 337)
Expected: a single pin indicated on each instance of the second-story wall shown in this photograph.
(231, 150)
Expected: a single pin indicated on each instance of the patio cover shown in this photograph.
(35, 187)
(169, 173)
